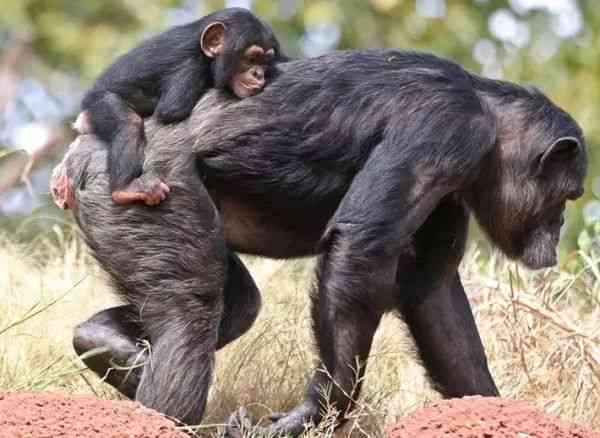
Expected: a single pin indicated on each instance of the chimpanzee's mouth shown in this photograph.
(555, 226)
(252, 84)
(251, 87)
(252, 90)
(556, 216)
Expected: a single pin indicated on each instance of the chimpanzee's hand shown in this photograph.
(284, 423)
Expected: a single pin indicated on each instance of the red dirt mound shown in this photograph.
(485, 417)
(43, 415)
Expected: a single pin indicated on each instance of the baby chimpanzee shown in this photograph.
(166, 76)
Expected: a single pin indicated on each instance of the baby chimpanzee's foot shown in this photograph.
(147, 189)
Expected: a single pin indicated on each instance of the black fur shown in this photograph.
(165, 76)
(373, 160)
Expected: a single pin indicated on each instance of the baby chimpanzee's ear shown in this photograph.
(212, 39)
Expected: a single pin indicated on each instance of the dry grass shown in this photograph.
(541, 333)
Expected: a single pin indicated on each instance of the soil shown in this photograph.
(45, 415)
(485, 417)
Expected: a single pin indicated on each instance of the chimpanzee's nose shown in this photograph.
(259, 74)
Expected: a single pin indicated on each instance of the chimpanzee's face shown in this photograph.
(249, 78)
(521, 196)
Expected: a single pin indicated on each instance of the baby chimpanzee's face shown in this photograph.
(249, 77)
(246, 73)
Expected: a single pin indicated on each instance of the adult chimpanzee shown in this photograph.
(372, 160)
(165, 76)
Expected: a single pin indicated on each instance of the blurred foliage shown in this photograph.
(82, 37)
(589, 237)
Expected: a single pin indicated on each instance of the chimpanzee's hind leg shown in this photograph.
(118, 335)
(170, 264)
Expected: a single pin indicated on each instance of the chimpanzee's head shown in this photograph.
(243, 49)
(538, 163)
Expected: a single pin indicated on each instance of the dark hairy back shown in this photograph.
(320, 118)
(348, 98)
(333, 109)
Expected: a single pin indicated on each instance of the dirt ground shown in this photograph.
(45, 415)
(480, 417)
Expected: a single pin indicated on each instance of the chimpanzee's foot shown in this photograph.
(290, 424)
(61, 188)
(147, 189)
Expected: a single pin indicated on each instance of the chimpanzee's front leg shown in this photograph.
(433, 304)
(346, 311)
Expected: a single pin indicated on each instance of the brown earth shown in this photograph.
(485, 417)
(44, 415)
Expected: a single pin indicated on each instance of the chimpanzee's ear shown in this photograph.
(212, 40)
(562, 150)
